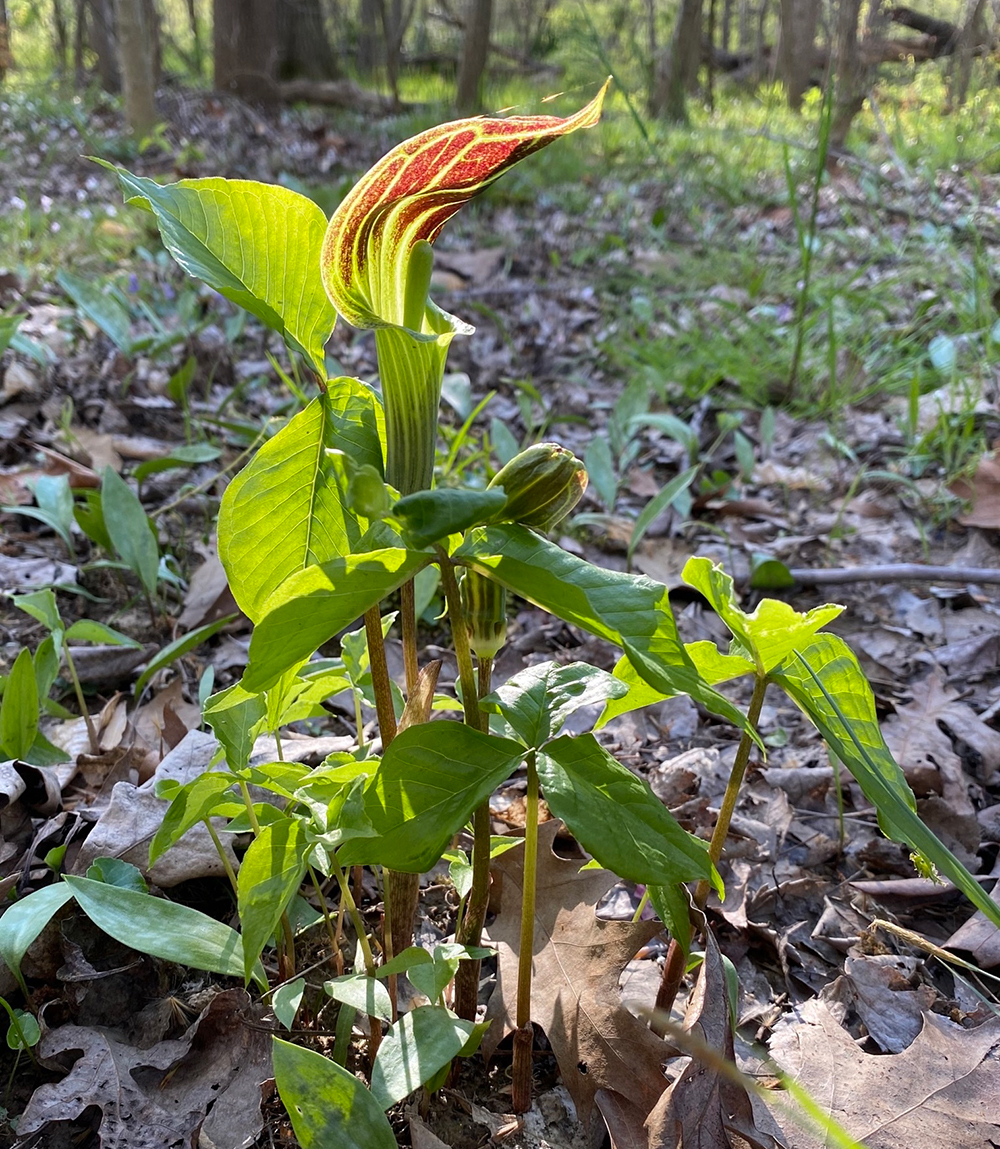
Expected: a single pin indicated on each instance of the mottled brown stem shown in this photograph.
(408, 620)
(469, 931)
(398, 889)
(523, 1036)
(381, 683)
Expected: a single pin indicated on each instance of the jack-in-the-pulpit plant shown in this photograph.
(335, 513)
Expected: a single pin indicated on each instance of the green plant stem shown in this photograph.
(359, 720)
(722, 823)
(673, 966)
(408, 622)
(217, 842)
(355, 917)
(95, 745)
(277, 743)
(251, 812)
(521, 1069)
(366, 949)
(401, 890)
(325, 911)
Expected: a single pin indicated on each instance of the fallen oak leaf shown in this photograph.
(703, 1108)
(943, 1090)
(206, 1082)
(578, 959)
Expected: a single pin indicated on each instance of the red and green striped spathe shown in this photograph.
(411, 193)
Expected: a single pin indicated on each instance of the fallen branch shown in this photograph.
(338, 94)
(895, 572)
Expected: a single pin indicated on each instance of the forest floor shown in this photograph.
(578, 297)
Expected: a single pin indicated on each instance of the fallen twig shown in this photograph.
(895, 572)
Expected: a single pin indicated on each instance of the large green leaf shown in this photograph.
(365, 994)
(327, 1106)
(826, 680)
(313, 605)
(414, 1049)
(773, 631)
(24, 921)
(19, 708)
(629, 610)
(537, 700)
(270, 873)
(286, 511)
(257, 244)
(163, 929)
(424, 790)
(615, 816)
(712, 664)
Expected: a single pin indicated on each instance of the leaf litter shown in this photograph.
(804, 878)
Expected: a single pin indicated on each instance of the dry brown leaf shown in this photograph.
(979, 935)
(208, 596)
(882, 991)
(152, 1098)
(702, 1109)
(574, 990)
(943, 1091)
(983, 492)
(918, 742)
(26, 574)
(96, 449)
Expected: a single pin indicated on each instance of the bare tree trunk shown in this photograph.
(304, 50)
(60, 37)
(101, 27)
(79, 40)
(135, 51)
(5, 58)
(245, 49)
(368, 37)
(396, 17)
(475, 50)
(197, 50)
(676, 69)
(971, 35)
(727, 24)
(847, 71)
(795, 48)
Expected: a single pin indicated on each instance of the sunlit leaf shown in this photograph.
(257, 244)
(287, 509)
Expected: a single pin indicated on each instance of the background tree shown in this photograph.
(303, 44)
(473, 56)
(675, 71)
(245, 48)
(100, 24)
(396, 16)
(135, 42)
(4, 40)
(796, 47)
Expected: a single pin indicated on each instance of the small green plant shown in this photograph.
(32, 678)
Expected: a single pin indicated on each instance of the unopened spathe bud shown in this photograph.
(543, 484)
